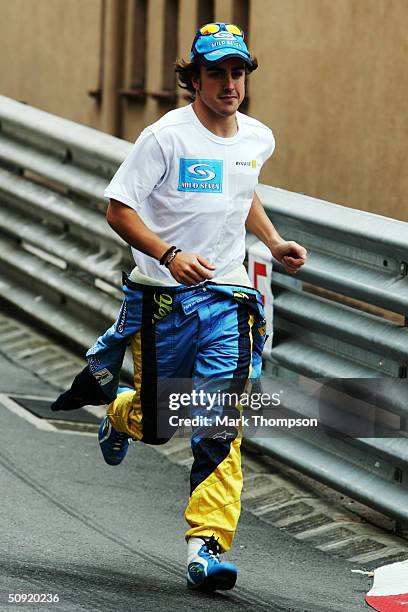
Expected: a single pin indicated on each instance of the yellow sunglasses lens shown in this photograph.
(209, 28)
(233, 29)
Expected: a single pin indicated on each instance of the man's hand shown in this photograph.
(190, 268)
(290, 254)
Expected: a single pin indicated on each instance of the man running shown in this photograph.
(183, 200)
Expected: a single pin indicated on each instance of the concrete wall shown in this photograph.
(331, 83)
(50, 55)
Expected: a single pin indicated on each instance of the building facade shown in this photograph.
(331, 84)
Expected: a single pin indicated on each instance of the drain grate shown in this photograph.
(275, 497)
(329, 536)
(41, 408)
(357, 547)
(385, 560)
(285, 512)
(33, 351)
(317, 520)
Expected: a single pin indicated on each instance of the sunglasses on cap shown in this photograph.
(213, 28)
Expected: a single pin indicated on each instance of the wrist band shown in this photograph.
(172, 256)
(164, 257)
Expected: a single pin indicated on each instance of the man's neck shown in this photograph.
(226, 127)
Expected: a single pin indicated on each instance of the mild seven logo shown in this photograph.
(204, 175)
(201, 172)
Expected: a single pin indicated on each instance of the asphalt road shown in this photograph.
(111, 538)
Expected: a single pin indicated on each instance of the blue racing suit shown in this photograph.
(204, 333)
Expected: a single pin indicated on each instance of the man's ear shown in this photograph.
(196, 81)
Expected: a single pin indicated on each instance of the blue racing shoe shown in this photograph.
(206, 572)
(114, 444)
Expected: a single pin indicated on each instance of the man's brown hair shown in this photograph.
(185, 72)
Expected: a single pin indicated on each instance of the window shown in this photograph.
(205, 12)
(138, 44)
(240, 15)
(170, 46)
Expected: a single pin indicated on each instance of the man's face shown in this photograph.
(222, 87)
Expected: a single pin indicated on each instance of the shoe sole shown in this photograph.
(222, 581)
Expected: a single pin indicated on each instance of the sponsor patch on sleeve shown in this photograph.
(103, 376)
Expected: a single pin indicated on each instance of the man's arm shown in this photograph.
(289, 253)
(186, 268)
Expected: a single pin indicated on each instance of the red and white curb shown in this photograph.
(390, 588)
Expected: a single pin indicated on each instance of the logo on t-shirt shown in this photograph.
(249, 164)
(203, 175)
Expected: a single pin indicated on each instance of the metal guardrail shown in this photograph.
(344, 317)
(357, 255)
(60, 265)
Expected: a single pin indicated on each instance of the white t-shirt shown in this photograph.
(192, 188)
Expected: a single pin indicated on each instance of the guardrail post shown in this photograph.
(260, 273)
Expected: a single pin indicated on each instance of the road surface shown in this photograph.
(111, 538)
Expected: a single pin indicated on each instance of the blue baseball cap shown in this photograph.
(215, 42)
